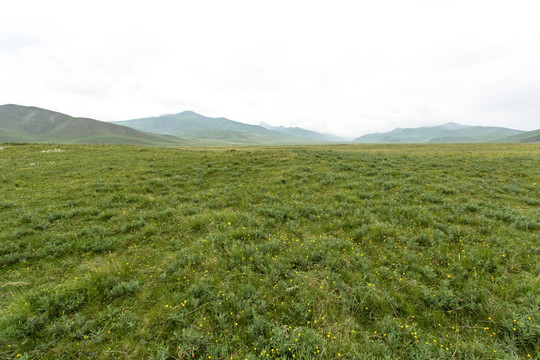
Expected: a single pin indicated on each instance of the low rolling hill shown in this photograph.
(525, 137)
(33, 124)
(447, 133)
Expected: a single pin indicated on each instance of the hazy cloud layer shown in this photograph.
(346, 67)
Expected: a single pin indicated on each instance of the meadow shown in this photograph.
(309, 252)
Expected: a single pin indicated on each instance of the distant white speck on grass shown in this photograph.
(2, 148)
(53, 151)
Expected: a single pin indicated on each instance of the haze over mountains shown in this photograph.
(32, 124)
(221, 131)
(299, 132)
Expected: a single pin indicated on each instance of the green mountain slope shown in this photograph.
(448, 133)
(32, 124)
(207, 130)
(525, 137)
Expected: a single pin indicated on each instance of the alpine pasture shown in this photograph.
(307, 252)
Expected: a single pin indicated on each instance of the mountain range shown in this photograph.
(450, 133)
(221, 131)
(33, 124)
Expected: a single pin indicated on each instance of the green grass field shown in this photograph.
(335, 252)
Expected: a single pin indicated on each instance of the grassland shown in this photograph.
(337, 252)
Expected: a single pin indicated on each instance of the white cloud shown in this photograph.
(347, 67)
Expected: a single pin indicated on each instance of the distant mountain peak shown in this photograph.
(454, 125)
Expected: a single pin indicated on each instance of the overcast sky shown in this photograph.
(345, 67)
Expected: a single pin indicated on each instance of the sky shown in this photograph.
(343, 67)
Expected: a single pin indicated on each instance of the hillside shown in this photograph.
(524, 137)
(32, 124)
(448, 133)
(315, 252)
(207, 130)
